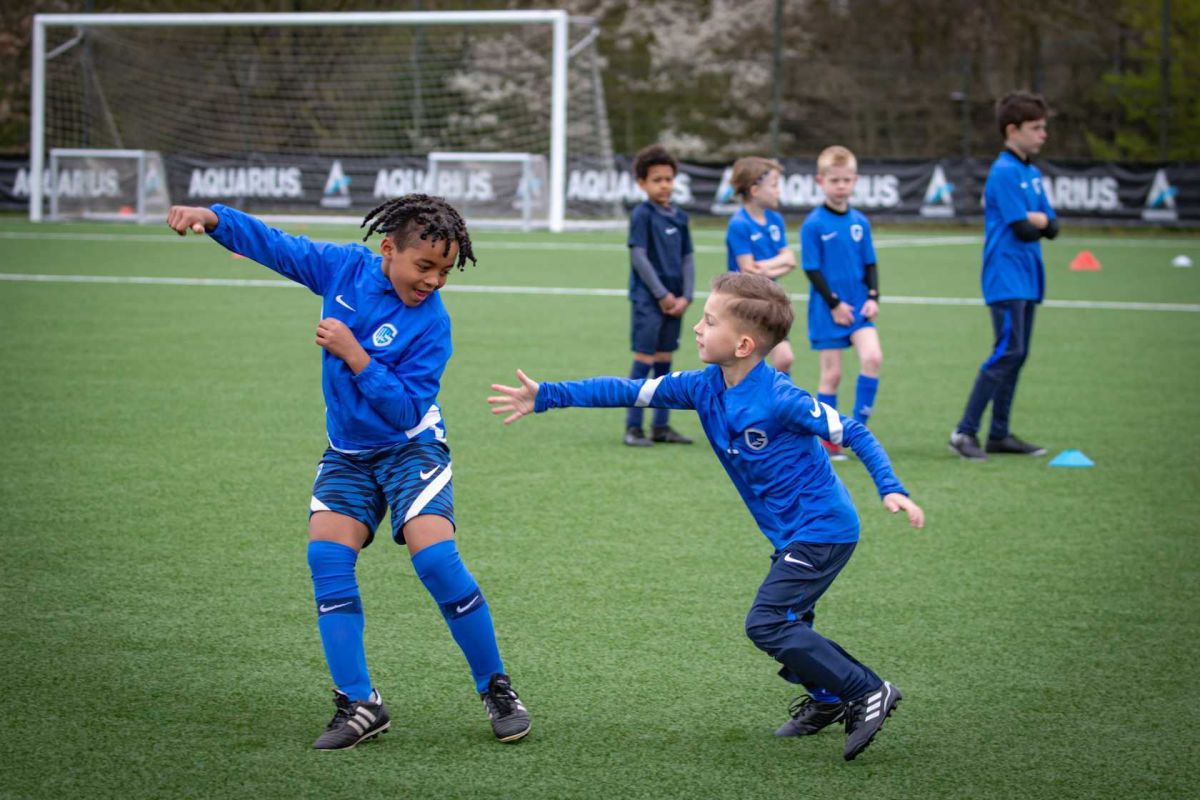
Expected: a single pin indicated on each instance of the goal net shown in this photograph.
(125, 185)
(329, 113)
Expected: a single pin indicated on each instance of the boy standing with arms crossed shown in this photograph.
(661, 279)
(756, 239)
(838, 255)
(765, 432)
(1017, 216)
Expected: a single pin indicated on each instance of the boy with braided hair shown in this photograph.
(386, 341)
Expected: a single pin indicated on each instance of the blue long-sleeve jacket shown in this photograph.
(765, 432)
(393, 400)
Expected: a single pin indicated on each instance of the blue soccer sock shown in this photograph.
(466, 612)
(822, 696)
(340, 616)
(661, 415)
(828, 399)
(864, 397)
(633, 417)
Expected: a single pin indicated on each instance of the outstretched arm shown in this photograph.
(668, 391)
(196, 219)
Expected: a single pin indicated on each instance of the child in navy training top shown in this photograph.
(661, 279)
(386, 341)
(756, 239)
(838, 255)
(766, 433)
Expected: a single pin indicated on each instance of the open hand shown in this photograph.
(516, 401)
(869, 310)
(196, 219)
(897, 502)
(843, 314)
(334, 336)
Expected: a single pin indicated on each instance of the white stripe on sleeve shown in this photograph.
(834, 421)
(647, 393)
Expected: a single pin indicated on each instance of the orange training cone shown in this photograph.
(1085, 262)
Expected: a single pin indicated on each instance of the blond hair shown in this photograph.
(759, 302)
(836, 156)
(748, 171)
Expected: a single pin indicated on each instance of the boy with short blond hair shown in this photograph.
(838, 256)
(661, 279)
(766, 432)
(756, 238)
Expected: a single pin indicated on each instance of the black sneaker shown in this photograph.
(865, 716)
(668, 435)
(636, 437)
(967, 446)
(353, 722)
(1011, 444)
(510, 720)
(809, 716)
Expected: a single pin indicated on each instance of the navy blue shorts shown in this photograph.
(411, 479)
(652, 331)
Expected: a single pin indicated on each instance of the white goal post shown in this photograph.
(554, 130)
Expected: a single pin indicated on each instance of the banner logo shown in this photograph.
(337, 188)
(1160, 200)
(939, 196)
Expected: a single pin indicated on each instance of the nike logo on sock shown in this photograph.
(463, 609)
(324, 609)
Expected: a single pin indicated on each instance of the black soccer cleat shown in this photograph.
(809, 716)
(510, 720)
(636, 437)
(668, 435)
(967, 446)
(353, 722)
(865, 716)
(1011, 444)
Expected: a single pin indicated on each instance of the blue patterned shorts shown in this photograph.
(411, 479)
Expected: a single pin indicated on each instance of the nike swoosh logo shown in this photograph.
(825, 237)
(788, 558)
(342, 302)
(427, 474)
(754, 237)
(326, 609)
(816, 412)
(461, 609)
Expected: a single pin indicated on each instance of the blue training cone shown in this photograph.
(1072, 458)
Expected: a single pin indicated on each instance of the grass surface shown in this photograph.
(159, 640)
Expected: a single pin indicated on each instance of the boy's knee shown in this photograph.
(871, 362)
(763, 626)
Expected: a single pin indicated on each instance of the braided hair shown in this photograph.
(423, 217)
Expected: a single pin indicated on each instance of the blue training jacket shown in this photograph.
(393, 400)
(764, 431)
(1012, 269)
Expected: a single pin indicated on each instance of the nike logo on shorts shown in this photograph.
(427, 474)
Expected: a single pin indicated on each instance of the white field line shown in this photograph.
(483, 243)
(564, 291)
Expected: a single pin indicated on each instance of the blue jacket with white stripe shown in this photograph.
(393, 400)
(765, 432)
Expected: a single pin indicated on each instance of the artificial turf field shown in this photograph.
(158, 635)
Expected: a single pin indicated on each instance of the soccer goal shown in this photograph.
(299, 115)
(124, 185)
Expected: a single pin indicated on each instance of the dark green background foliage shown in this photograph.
(158, 635)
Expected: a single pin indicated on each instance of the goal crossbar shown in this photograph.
(558, 19)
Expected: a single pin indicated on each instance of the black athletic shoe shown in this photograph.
(865, 716)
(967, 446)
(353, 722)
(809, 716)
(1011, 444)
(510, 720)
(636, 437)
(668, 435)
